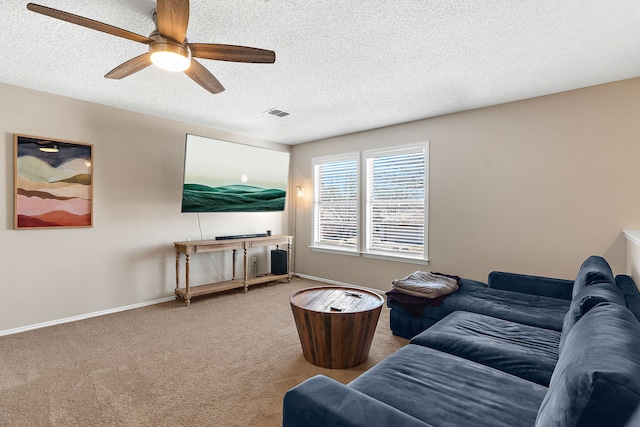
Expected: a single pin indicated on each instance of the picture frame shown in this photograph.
(53, 183)
(225, 176)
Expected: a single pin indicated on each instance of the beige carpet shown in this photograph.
(226, 360)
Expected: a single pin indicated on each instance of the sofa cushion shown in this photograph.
(594, 269)
(447, 391)
(597, 379)
(524, 351)
(585, 300)
(404, 325)
(323, 402)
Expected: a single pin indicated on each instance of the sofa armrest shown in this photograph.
(323, 402)
(534, 285)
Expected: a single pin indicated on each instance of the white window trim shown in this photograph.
(362, 214)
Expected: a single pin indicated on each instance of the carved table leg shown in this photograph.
(246, 265)
(235, 256)
(187, 295)
(177, 274)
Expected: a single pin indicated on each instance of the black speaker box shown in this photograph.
(278, 261)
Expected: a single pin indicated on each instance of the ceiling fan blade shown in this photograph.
(89, 23)
(203, 77)
(131, 66)
(227, 52)
(173, 19)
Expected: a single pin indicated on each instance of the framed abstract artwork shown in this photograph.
(53, 183)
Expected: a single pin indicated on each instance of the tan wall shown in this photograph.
(533, 187)
(127, 257)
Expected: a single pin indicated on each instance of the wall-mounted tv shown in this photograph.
(223, 176)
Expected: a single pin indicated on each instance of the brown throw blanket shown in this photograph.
(415, 305)
(426, 284)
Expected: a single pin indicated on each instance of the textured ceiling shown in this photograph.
(341, 66)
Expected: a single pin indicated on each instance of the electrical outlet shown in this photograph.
(254, 261)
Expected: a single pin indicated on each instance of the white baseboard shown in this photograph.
(84, 316)
(158, 301)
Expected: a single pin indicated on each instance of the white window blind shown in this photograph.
(336, 202)
(395, 202)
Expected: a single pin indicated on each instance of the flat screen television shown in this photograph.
(223, 176)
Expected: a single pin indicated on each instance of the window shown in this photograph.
(395, 208)
(379, 209)
(336, 202)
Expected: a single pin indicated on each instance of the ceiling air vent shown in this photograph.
(277, 113)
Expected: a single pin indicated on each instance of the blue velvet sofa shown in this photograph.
(488, 358)
(530, 300)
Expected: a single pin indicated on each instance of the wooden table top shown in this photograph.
(336, 299)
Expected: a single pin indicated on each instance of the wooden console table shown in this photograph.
(202, 246)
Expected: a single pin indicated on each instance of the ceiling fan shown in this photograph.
(168, 46)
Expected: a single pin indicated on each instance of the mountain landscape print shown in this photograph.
(53, 183)
(222, 176)
(231, 198)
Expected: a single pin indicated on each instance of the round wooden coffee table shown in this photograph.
(336, 324)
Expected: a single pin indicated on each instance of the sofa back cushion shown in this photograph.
(528, 284)
(585, 300)
(594, 269)
(597, 379)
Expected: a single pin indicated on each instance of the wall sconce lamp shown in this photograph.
(299, 194)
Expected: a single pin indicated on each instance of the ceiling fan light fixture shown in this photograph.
(170, 57)
(167, 44)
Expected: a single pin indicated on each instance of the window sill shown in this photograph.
(396, 258)
(385, 257)
(335, 250)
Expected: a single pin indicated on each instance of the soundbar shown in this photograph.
(243, 236)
